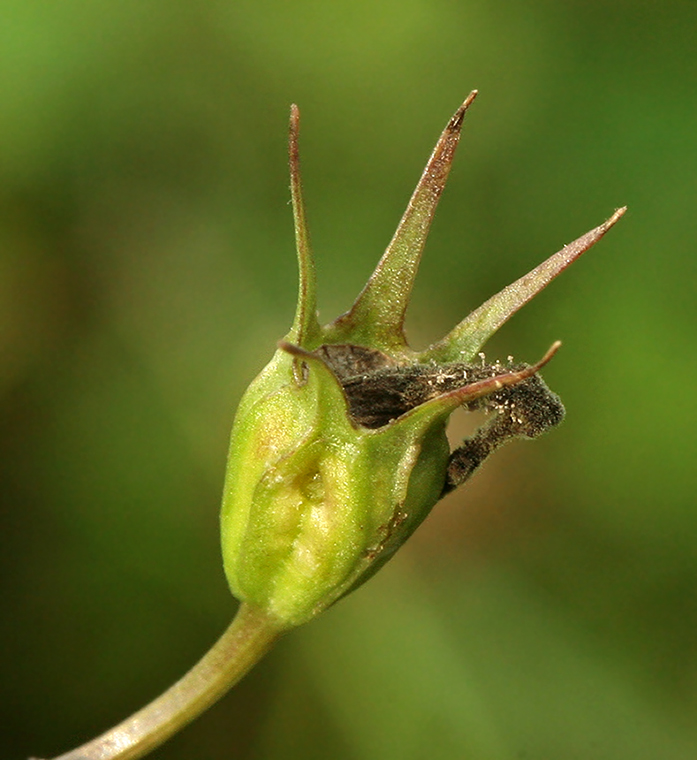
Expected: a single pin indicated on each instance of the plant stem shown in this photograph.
(248, 638)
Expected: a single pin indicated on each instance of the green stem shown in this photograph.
(248, 638)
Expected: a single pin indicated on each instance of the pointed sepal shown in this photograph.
(466, 339)
(377, 317)
(447, 403)
(305, 331)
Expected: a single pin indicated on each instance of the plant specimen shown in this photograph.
(339, 451)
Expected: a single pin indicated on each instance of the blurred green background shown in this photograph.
(147, 268)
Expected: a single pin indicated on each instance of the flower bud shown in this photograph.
(338, 449)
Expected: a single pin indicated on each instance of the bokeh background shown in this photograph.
(147, 268)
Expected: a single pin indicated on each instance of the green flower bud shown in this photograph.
(338, 449)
